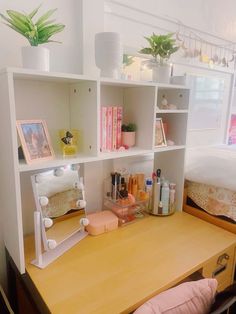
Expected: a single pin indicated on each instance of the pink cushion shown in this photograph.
(193, 297)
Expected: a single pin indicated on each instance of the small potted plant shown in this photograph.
(128, 134)
(161, 47)
(37, 33)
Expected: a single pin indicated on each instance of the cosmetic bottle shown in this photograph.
(123, 192)
(156, 196)
(148, 189)
(172, 197)
(134, 187)
(160, 207)
(165, 198)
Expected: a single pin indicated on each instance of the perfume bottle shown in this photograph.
(69, 141)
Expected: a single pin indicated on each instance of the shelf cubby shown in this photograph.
(176, 126)
(138, 103)
(178, 96)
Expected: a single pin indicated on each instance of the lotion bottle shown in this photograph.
(172, 197)
(165, 191)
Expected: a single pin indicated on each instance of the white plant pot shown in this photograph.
(161, 73)
(36, 58)
(108, 54)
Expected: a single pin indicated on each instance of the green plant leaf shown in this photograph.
(160, 45)
(18, 22)
(146, 51)
(50, 30)
(5, 18)
(36, 33)
(34, 12)
(45, 24)
(44, 17)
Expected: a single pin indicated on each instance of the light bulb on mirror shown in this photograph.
(51, 244)
(43, 200)
(84, 222)
(81, 204)
(48, 222)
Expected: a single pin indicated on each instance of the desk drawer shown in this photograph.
(221, 267)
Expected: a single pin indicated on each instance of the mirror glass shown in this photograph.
(59, 196)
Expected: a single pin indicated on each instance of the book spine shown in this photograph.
(103, 128)
(114, 127)
(119, 124)
(109, 129)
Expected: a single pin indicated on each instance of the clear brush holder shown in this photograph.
(124, 205)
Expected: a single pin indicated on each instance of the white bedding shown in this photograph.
(215, 165)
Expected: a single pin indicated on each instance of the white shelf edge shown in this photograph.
(168, 148)
(127, 83)
(72, 77)
(130, 83)
(60, 162)
(126, 153)
(57, 162)
(170, 86)
(172, 111)
(53, 76)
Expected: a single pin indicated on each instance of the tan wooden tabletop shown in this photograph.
(116, 272)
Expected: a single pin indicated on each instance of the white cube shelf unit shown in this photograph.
(68, 101)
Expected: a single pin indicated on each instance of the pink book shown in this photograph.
(109, 129)
(114, 127)
(103, 123)
(119, 124)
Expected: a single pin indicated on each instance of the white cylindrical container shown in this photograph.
(36, 58)
(161, 73)
(108, 54)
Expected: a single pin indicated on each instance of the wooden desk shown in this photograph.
(118, 271)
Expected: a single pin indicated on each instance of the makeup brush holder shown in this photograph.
(124, 205)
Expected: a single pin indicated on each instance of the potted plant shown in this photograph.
(128, 134)
(37, 33)
(161, 47)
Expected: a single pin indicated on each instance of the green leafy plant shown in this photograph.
(161, 47)
(130, 127)
(38, 32)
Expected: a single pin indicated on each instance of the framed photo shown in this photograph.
(160, 138)
(35, 140)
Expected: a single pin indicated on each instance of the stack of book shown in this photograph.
(111, 122)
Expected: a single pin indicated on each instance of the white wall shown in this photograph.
(75, 54)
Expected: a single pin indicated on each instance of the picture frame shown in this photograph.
(35, 140)
(160, 138)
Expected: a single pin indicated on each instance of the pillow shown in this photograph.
(193, 297)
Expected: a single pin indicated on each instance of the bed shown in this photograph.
(210, 185)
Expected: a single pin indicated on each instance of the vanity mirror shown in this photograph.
(60, 217)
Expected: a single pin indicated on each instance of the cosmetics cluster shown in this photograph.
(126, 196)
(162, 198)
(130, 196)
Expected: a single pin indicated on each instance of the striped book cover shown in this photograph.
(103, 123)
(114, 128)
(109, 129)
(119, 124)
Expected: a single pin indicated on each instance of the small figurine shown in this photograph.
(164, 103)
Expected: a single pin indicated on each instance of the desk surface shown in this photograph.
(116, 272)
